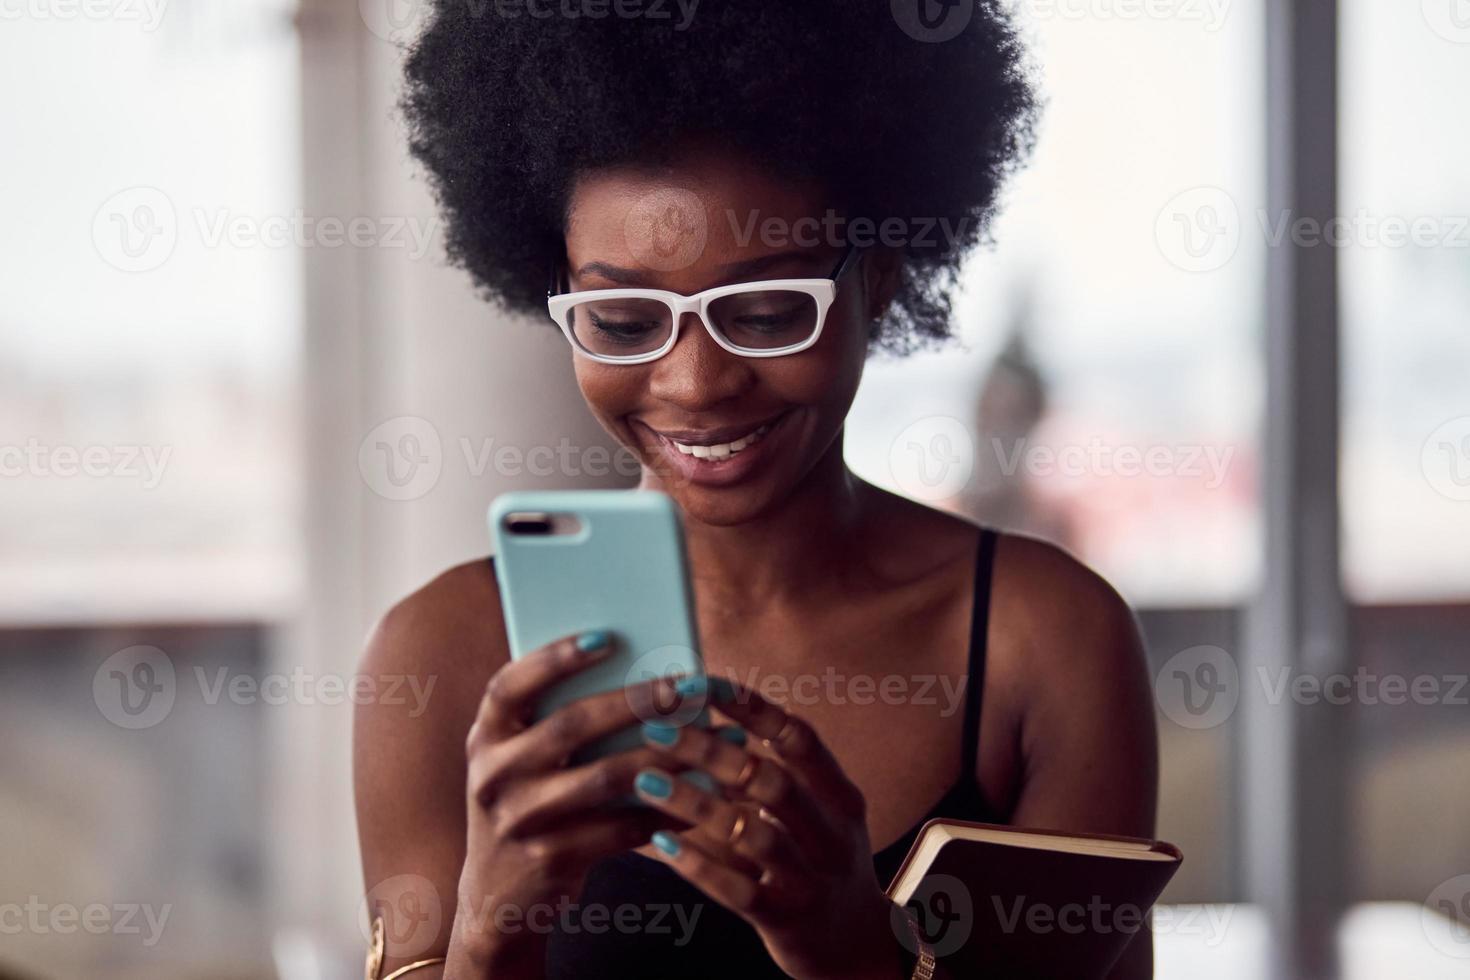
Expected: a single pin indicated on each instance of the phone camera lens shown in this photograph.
(528, 524)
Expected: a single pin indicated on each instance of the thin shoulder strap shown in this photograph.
(979, 628)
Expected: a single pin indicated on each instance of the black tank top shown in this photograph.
(637, 918)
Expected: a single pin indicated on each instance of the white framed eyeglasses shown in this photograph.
(765, 318)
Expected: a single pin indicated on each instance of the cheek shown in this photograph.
(824, 378)
(610, 391)
(836, 362)
(827, 375)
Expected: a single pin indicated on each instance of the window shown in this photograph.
(1111, 393)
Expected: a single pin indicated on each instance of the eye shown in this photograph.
(627, 328)
(765, 312)
(775, 319)
(625, 323)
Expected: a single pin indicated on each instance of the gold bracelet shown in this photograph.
(374, 965)
(435, 961)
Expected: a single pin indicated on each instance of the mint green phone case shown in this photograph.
(622, 571)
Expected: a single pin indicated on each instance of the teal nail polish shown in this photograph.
(653, 784)
(660, 733)
(734, 734)
(591, 640)
(694, 686)
(666, 842)
(699, 779)
(721, 690)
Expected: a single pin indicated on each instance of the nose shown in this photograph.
(698, 374)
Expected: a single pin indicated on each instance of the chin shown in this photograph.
(721, 506)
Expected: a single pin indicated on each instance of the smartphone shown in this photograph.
(574, 560)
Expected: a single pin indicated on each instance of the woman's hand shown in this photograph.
(786, 848)
(536, 825)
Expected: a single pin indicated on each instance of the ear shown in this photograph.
(882, 269)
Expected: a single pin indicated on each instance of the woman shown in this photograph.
(748, 142)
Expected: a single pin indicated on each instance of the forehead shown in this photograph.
(703, 211)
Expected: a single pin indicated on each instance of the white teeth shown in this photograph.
(723, 450)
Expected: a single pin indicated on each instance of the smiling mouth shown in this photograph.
(718, 456)
(717, 442)
(722, 450)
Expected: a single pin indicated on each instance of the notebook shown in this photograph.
(1020, 903)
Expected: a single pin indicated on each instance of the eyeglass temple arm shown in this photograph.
(849, 258)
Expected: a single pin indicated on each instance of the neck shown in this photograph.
(790, 549)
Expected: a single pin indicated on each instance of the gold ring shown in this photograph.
(738, 829)
(779, 737)
(747, 772)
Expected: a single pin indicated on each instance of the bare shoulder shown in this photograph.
(445, 639)
(1049, 612)
(1072, 663)
(1057, 610)
(452, 626)
(442, 642)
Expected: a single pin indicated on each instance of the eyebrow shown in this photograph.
(733, 271)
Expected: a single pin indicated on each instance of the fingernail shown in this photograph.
(695, 685)
(653, 784)
(734, 734)
(666, 842)
(591, 640)
(660, 733)
(699, 779)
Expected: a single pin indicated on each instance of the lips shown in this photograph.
(722, 450)
(716, 435)
(718, 456)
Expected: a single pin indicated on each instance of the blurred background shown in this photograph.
(1220, 350)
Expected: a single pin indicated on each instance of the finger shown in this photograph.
(567, 850)
(513, 690)
(718, 751)
(794, 742)
(735, 890)
(529, 807)
(715, 842)
(551, 741)
(759, 900)
(728, 825)
(750, 776)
